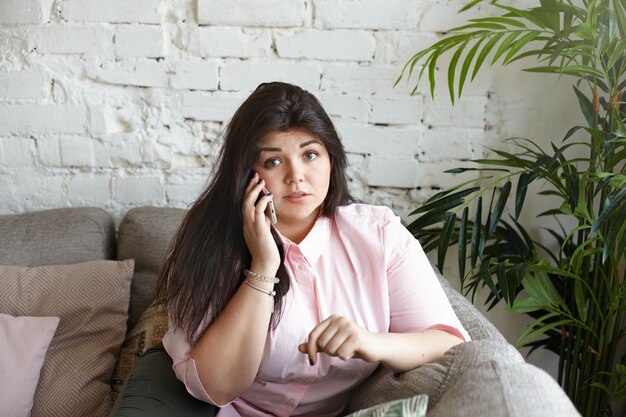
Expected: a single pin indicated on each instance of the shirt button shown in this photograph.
(309, 306)
(300, 267)
(291, 402)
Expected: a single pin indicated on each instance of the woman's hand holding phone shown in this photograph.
(257, 227)
(270, 211)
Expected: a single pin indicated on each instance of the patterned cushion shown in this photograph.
(91, 300)
(407, 407)
(149, 330)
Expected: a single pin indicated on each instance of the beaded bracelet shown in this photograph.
(259, 277)
(270, 293)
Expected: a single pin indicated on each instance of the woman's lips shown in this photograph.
(295, 197)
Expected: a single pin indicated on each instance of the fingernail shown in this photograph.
(251, 174)
(311, 361)
(260, 180)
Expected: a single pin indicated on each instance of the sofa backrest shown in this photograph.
(55, 237)
(144, 235)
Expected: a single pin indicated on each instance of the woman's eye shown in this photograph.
(310, 155)
(272, 162)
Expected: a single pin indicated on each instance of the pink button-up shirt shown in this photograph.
(362, 264)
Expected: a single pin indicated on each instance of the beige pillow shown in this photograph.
(91, 300)
(148, 332)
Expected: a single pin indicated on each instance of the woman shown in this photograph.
(286, 318)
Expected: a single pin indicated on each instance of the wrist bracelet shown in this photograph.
(259, 277)
(270, 293)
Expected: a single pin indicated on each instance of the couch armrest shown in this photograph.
(433, 379)
(504, 389)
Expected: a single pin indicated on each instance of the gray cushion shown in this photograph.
(502, 389)
(433, 378)
(144, 235)
(55, 237)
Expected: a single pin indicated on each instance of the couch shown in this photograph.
(486, 376)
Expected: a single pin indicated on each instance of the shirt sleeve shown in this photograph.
(176, 345)
(416, 299)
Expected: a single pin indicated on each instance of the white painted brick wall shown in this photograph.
(337, 45)
(268, 13)
(440, 16)
(76, 152)
(210, 107)
(366, 14)
(355, 79)
(71, 39)
(119, 103)
(246, 76)
(139, 41)
(226, 42)
(396, 110)
(24, 85)
(384, 172)
(25, 11)
(88, 189)
(340, 106)
(391, 142)
(17, 152)
(143, 188)
(49, 118)
(112, 11)
(194, 75)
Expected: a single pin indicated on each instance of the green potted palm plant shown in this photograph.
(572, 288)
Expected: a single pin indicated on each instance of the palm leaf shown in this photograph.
(466, 64)
(469, 5)
(452, 69)
(519, 44)
(608, 210)
(485, 51)
(444, 242)
(506, 43)
(445, 202)
(476, 233)
(522, 187)
(495, 216)
(586, 106)
(462, 243)
(576, 70)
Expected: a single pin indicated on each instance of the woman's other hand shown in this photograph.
(338, 336)
(257, 229)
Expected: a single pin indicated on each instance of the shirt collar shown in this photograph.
(314, 243)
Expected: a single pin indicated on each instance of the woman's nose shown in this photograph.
(295, 173)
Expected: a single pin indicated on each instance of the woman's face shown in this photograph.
(296, 168)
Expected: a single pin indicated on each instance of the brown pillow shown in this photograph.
(149, 330)
(91, 300)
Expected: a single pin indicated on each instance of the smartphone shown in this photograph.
(270, 211)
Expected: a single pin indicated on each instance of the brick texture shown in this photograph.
(121, 103)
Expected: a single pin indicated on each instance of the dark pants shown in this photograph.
(152, 390)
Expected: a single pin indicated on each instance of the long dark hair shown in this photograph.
(205, 262)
